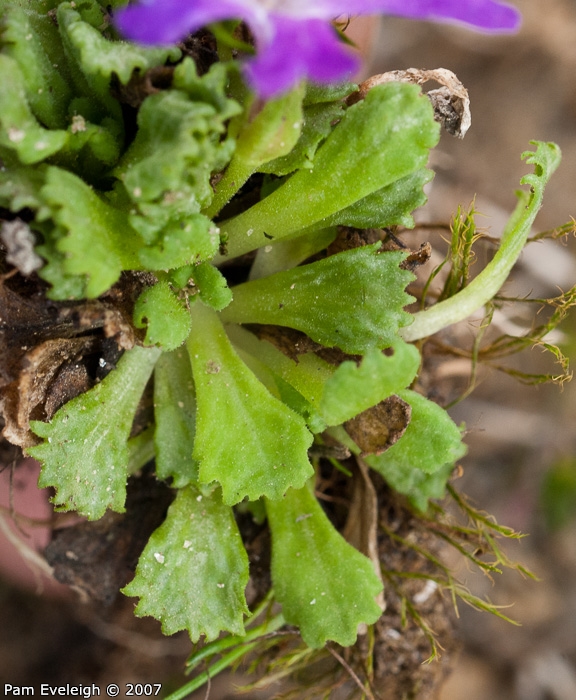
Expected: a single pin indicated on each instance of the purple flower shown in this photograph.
(295, 38)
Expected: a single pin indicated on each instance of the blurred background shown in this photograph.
(521, 465)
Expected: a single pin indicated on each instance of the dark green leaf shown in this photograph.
(20, 132)
(31, 38)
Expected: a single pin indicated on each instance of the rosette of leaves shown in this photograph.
(173, 185)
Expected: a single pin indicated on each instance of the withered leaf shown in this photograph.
(24, 399)
(50, 351)
(417, 258)
(379, 427)
(450, 102)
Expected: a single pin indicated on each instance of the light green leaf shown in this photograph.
(382, 139)
(94, 59)
(194, 569)
(246, 440)
(354, 388)
(178, 145)
(325, 586)
(20, 133)
(353, 300)
(94, 239)
(31, 38)
(281, 374)
(175, 417)
(85, 455)
(429, 448)
(336, 393)
(212, 286)
(166, 319)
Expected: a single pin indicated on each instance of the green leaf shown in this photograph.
(31, 38)
(392, 205)
(166, 319)
(325, 586)
(271, 133)
(287, 254)
(175, 417)
(322, 109)
(488, 282)
(353, 300)
(380, 140)
(284, 374)
(354, 388)
(179, 238)
(211, 88)
(94, 239)
(173, 136)
(20, 189)
(94, 60)
(335, 393)
(85, 454)
(178, 145)
(430, 447)
(246, 439)
(101, 59)
(194, 569)
(212, 286)
(20, 132)
(166, 175)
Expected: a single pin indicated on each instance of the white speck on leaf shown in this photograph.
(16, 135)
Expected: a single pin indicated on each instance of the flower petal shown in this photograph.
(169, 21)
(298, 49)
(485, 15)
(294, 38)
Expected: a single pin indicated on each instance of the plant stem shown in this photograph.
(245, 646)
(487, 284)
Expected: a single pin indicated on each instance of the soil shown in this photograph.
(521, 89)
